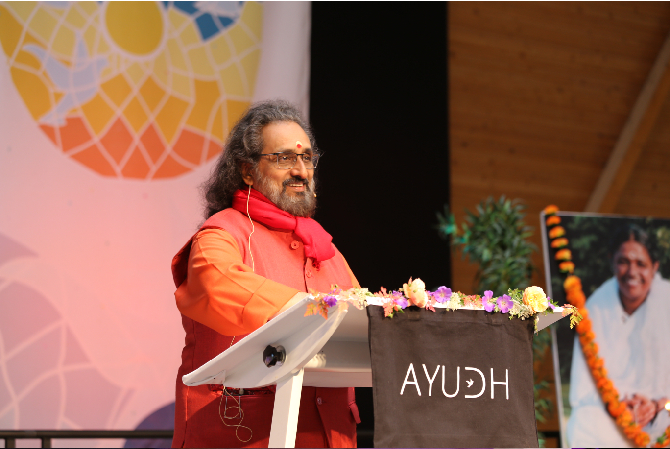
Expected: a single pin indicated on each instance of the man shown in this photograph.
(257, 252)
(629, 315)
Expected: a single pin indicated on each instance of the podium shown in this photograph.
(333, 352)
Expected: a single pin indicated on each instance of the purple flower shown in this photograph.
(330, 300)
(399, 299)
(553, 307)
(442, 294)
(505, 303)
(489, 305)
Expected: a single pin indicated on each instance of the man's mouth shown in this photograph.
(295, 185)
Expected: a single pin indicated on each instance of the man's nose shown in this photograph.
(299, 169)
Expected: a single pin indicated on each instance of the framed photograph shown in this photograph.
(624, 267)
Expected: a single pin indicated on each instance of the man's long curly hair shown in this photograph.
(244, 145)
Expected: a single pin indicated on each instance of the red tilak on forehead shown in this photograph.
(298, 144)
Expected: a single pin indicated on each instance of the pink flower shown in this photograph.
(442, 294)
(487, 300)
(505, 303)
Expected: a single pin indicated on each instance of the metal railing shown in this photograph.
(10, 436)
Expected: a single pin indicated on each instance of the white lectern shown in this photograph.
(319, 352)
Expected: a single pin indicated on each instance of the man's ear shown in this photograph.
(247, 177)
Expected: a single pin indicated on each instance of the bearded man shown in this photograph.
(257, 252)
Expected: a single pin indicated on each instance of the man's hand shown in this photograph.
(643, 409)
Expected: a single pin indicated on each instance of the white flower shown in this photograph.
(415, 291)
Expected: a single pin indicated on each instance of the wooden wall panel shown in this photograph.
(647, 191)
(539, 93)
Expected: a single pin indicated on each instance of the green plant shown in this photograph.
(496, 238)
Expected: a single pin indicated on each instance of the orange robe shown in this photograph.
(222, 299)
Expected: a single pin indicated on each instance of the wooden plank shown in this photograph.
(563, 56)
(552, 63)
(633, 136)
(513, 146)
(534, 127)
(538, 22)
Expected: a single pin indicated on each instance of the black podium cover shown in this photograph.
(417, 358)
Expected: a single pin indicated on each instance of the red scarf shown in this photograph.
(317, 241)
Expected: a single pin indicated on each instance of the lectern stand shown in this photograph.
(320, 352)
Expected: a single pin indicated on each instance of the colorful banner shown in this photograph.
(111, 114)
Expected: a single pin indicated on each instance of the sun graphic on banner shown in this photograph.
(139, 90)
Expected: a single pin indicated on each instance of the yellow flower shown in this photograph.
(535, 298)
(416, 292)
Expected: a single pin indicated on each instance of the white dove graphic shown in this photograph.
(470, 382)
(80, 82)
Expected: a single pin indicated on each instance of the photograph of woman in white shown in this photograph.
(630, 313)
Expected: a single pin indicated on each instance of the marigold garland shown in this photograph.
(575, 296)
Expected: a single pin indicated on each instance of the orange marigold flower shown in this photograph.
(576, 296)
(566, 267)
(551, 209)
(590, 347)
(559, 243)
(586, 338)
(564, 254)
(605, 384)
(578, 302)
(556, 232)
(630, 432)
(572, 283)
(611, 398)
(553, 220)
(642, 439)
(616, 408)
(584, 326)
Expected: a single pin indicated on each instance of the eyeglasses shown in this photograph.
(287, 160)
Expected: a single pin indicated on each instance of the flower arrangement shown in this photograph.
(516, 303)
(575, 295)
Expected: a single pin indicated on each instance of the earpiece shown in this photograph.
(253, 265)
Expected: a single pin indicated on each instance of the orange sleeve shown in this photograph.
(223, 293)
